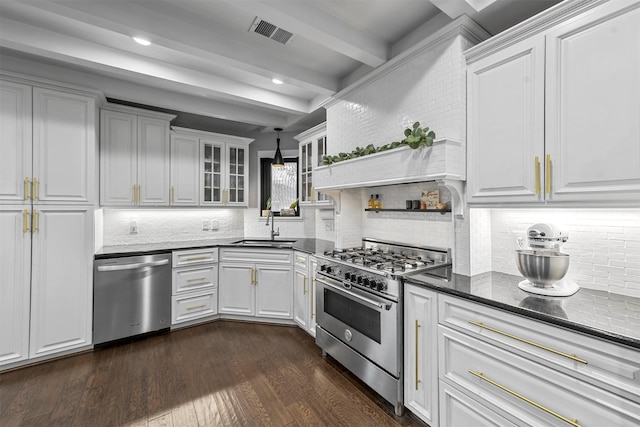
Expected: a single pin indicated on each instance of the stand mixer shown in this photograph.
(544, 265)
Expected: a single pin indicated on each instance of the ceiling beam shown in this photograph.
(305, 19)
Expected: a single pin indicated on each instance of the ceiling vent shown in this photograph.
(271, 31)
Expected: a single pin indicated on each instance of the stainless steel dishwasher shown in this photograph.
(131, 296)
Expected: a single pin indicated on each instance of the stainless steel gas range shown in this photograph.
(359, 308)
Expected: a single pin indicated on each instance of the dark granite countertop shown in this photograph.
(310, 246)
(606, 315)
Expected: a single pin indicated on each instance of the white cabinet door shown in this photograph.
(313, 264)
(15, 143)
(212, 173)
(457, 409)
(237, 178)
(421, 363)
(236, 285)
(153, 162)
(118, 158)
(506, 124)
(301, 295)
(15, 283)
(64, 147)
(274, 296)
(62, 281)
(593, 105)
(185, 152)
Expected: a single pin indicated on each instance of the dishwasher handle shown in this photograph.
(118, 267)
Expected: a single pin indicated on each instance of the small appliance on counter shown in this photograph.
(544, 265)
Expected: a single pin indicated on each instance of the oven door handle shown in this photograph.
(353, 294)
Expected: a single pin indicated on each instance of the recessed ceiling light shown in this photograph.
(142, 41)
(277, 81)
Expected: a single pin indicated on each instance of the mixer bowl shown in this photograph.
(542, 268)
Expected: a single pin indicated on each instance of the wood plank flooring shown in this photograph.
(217, 374)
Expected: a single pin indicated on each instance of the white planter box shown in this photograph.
(445, 159)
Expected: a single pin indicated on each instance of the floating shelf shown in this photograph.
(442, 211)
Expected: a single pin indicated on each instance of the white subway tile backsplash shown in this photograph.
(603, 243)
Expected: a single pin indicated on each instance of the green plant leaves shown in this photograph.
(415, 137)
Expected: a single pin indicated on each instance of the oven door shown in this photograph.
(363, 321)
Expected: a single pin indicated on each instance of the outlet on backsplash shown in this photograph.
(133, 226)
(206, 225)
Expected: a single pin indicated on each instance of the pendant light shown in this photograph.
(278, 161)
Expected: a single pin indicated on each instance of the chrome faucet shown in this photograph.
(273, 233)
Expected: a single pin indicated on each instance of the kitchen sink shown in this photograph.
(265, 243)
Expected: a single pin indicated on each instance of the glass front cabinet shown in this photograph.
(312, 149)
(223, 168)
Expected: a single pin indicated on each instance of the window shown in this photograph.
(281, 184)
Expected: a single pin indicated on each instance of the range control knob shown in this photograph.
(347, 276)
(323, 267)
(381, 286)
(367, 282)
(329, 269)
(354, 277)
(359, 280)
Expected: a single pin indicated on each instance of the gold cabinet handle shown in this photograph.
(196, 258)
(26, 188)
(313, 195)
(25, 221)
(195, 307)
(35, 188)
(197, 279)
(134, 195)
(534, 344)
(304, 285)
(139, 193)
(548, 174)
(255, 276)
(537, 169)
(34, 226)
(417, 334)
(573, 422)
(172, 194)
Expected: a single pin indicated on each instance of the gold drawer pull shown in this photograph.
(196, 258)
(196, 307)
(197, 279)
(34, 226)
(304, 285)
(417, 380)
(172, 194)
(551, 350)
(134, 194)
(480, 375)
(35, 189)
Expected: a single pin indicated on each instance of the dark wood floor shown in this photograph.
(220, 373)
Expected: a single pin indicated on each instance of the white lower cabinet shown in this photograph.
(421, 357)
(304, 292)
(256, 283)
(194, 294)
(530, 373)
(457, 409)
(46, 279)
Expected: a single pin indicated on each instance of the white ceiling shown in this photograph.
(205, 61)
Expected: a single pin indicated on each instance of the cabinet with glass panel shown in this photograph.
(313, 147)
(223, 167)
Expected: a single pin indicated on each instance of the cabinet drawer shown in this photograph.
(193, 306)
(605, 364)
(458, 409)
(300, 260)
(195, 256)
(502, 381)
(187, 279)
(270, 256)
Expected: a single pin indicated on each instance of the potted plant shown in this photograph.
(265, 212)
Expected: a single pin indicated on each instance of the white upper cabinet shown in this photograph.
(312, 149)
(185, 152)
(47, 146)
(554, 116)
(593, 105)
(15, 142)
(506, 123)
(134, 157)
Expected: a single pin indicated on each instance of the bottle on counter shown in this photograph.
(377, 202)
(372, 202)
